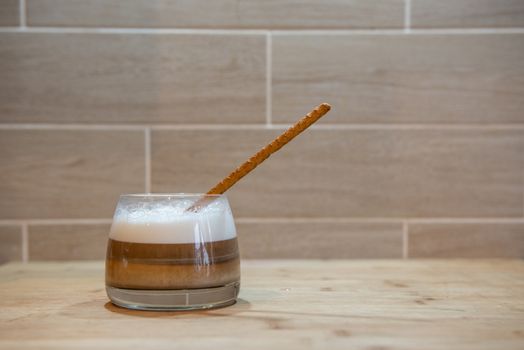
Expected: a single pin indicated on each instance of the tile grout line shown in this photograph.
(355, 126)
(55, 221)
(405, 240)
(262, 32)
(25, 242)
(506, 220)
(288, 220)
(407, 16)
(269, 74)
(22, 9)
(380, 220)
(119, 30)
(58, 126)
(147, 157)
(284, 220)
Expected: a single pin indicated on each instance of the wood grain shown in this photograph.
(9, 13)
(68, 242)
(132, 78)
(467, 13)
(400, 79)
(68, 174)
(283, 304)
(352, 173)
(299, 240)
(480, 240)
(268, 14)
(10, 243)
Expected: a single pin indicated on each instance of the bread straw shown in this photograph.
(262, 155)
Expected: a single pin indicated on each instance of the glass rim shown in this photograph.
(164, 195)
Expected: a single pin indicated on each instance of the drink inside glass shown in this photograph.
(180, 251)
(166, 254)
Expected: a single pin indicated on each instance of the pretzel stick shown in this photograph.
(262, 155)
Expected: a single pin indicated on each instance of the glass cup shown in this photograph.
(165, 252)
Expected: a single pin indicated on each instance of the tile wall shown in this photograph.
(422, 155)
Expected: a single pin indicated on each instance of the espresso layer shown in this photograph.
(172, 266)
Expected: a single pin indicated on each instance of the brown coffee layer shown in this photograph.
(172, 266)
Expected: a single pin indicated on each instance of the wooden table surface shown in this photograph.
(291, 304)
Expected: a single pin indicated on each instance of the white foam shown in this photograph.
(171, 223)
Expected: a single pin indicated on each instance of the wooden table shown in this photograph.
(283, 304)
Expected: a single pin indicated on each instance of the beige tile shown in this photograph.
(467, 13)
(9, 15)
(400, 78)
(68, 242)
(119, 78)
(218, 14)
(68, 174)
(482, 240)
(320, 240)
(359, 173)
(10, 243)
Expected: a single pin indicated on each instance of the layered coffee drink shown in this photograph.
(160, 255)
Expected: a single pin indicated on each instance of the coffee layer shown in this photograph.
(172, 266)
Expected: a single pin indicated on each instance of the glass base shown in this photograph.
(179, 299)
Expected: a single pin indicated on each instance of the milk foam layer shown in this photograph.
(171, 223)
